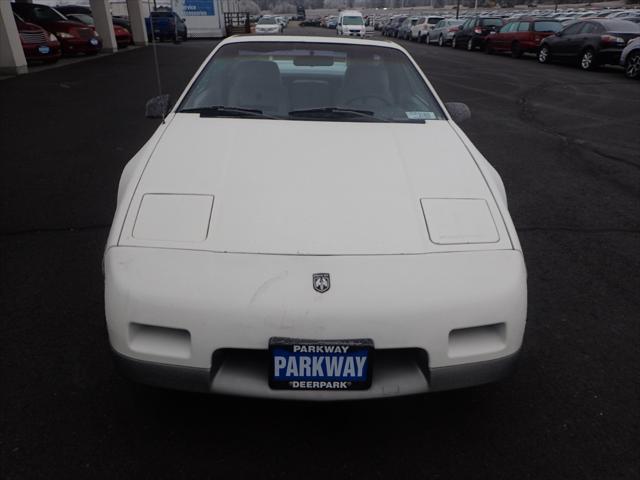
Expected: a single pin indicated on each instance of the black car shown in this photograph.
(589, 43)
(310, 22)
(473, 32)
(74, 9)
(391, 28)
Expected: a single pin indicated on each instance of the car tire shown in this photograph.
(441, 41)
(544, 54)
(632, 65)
(427, 41)
(516, 50)
(587, 60)
(454, 43)
(470, 46)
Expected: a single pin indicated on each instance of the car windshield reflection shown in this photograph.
(323, 82)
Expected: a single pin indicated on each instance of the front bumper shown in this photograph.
(80, 45)
(123, 41)
(202, 321)
(223, 378)
(32, 52)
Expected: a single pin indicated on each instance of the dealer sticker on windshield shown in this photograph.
(320, 364)
(421, 115)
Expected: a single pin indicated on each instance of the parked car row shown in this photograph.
(588, 43)
(410, 27)
(592, 43)
(379, 21)
(46, 33)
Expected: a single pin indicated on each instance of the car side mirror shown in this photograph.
(459, 112)
(158, 107)
(558, 34)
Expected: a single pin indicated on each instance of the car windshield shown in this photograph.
(41, 13)
(81, 17)
(312, 81)
(354, 20)
(267, 21)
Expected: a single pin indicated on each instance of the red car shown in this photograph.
(37, 43)
(74, 37)
(522, 35)
(123, 37)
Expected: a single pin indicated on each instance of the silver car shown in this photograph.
(630, 59)
(443, 32)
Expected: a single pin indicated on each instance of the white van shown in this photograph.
(351, 23)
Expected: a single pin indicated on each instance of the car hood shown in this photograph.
(301, 187)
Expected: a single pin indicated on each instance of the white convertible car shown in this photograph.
(342, 266)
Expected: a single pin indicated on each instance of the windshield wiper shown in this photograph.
(222, 111)
(332, 111)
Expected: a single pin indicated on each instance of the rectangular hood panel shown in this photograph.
(315, 188)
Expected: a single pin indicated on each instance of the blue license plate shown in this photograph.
(43, 49)
(297, 364)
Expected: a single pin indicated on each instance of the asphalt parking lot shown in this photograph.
(567, 146)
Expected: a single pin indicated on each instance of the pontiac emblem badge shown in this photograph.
(321, 282)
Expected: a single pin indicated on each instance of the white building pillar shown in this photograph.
(138, 26)
(101, 13)
(12, 59)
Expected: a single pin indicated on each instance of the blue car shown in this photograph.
(167, 25)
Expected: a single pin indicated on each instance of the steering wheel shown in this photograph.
(384, 101)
